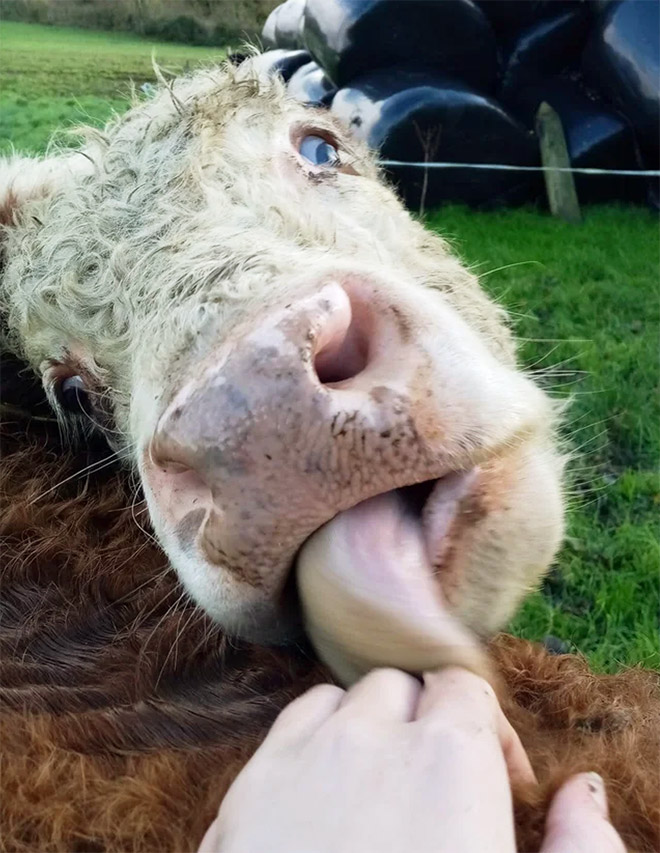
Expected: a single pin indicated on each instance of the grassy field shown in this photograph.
(585, 303)
(54, 77)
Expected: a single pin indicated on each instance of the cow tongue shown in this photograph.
(368, 593)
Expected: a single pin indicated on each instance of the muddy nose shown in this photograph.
(252, 398)
(254, 389)
(271, 387)
(298, 417)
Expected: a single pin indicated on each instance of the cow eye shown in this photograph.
(72, 394)
(319, 152)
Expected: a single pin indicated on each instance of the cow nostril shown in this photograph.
(178, 463)
(344, 347)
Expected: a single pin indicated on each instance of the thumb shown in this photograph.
(212, 838)
(578, 819)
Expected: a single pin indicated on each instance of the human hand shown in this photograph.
(392, 765)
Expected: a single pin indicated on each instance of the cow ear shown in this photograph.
(26, 179)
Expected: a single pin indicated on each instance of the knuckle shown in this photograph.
(465, 697)
(388, 677)
(468, 683)
(317, 696)
(322, 692)
(457, 733)
(355, 732)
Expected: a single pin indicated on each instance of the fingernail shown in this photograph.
(597, 790)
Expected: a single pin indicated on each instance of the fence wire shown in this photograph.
(505, 167)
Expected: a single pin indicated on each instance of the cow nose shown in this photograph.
(279, 430)
(281, 369)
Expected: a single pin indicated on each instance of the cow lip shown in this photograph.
(433, 503)
(441, 509)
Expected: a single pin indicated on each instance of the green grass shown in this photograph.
(53, 77)
(585, 303)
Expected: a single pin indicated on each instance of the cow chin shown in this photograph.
(245, 610)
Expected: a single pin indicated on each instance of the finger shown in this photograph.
(306, 714)
(211, 841)
(457, 697)
(578, 821)
(462, 699)
(383, 694)
(517, 763)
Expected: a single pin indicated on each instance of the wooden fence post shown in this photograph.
(560, 186)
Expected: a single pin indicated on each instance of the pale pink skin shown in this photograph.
(393, 766)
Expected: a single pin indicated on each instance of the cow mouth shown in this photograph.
(435, 504)
(431, 506)
(427, 510)
(375, 583)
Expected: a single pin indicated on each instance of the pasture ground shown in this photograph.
(584, 300)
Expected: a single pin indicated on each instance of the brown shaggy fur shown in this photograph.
(126, 714)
